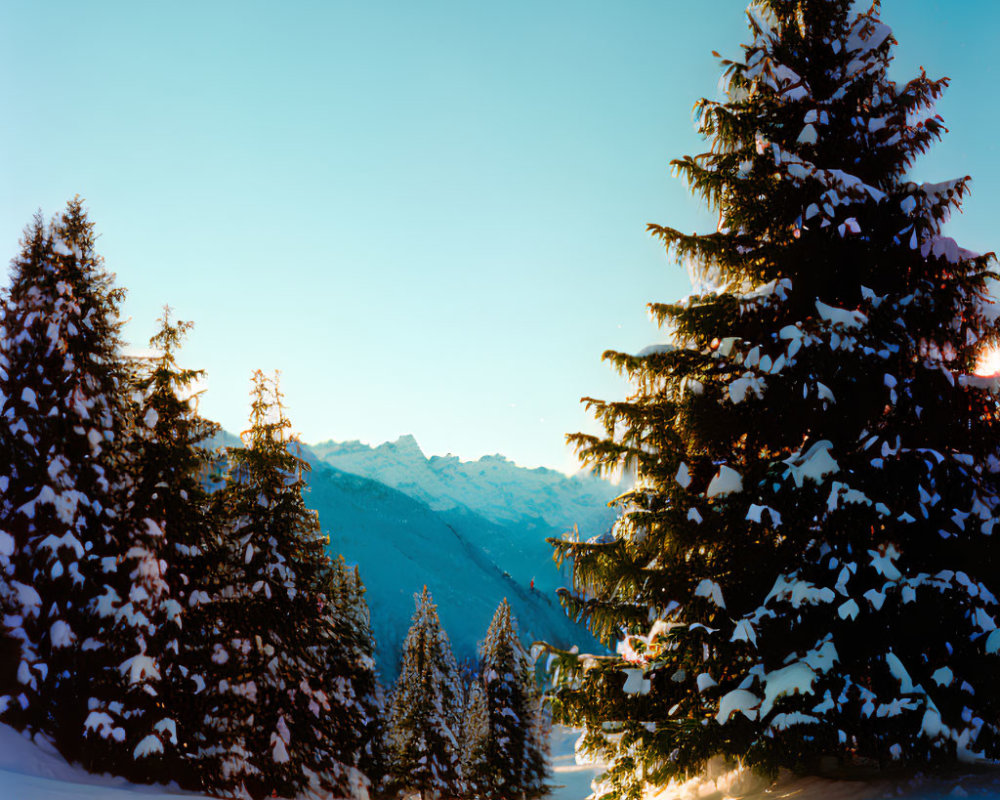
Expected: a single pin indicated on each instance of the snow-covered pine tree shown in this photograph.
(538, 768)
(63, 420)
(425, 713)
(516, 758)
(805, 565)
(350, 674)
(156, 610)
(179, 455)
(474, 743)
(273, 722)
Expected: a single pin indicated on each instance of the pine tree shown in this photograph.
(178, 466)
(475, 743)
(425, 713)
(157, 626)
(350, 672)
(538, 747)
(804, 567)
(62, 431)
(516, 753)
(274, 721)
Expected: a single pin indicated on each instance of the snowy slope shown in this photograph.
(34, 771)
(518, 548)
(492, 487)
(983, 784)
(570, 780)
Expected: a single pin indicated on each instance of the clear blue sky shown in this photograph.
(429, 216)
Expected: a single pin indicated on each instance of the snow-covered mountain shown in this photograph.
(505, 510)
(492, 487)
(473, 532)
(401, 544)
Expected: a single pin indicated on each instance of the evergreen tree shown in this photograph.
(274, 723)
(425, 713)
(62, 431)
(155, 610)
(516, 755)
(350, 672)
(475, 743)
(176, 470)
(538, 748)
(804, 567)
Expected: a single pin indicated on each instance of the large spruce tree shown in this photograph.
(64, 419)
(805, 566)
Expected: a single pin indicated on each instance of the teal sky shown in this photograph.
(429, 216)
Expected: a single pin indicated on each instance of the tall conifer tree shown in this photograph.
(156, 608)
(805, 565)
(175, 470)
(425, 713)
(63, 425)
(275, 720)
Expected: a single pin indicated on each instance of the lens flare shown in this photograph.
(989, 362)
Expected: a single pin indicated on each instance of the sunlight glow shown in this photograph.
(989, 362)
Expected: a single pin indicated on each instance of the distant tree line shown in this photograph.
(170, 613)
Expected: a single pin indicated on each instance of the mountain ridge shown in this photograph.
(492, 486)
(400, 544)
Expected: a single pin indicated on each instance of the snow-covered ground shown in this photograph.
(983, 785)
(33, 771)
(571, 779)
(574, 783)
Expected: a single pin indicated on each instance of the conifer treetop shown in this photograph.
(268, 423)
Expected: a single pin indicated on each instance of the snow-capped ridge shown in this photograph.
(492, 486)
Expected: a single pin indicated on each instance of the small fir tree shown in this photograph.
(809, 532)
(63, 424)
(425, 713)
(516, 756)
